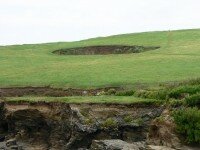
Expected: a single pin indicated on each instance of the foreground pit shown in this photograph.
(57, 92)
(104, 50)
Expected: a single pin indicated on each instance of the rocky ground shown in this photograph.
(55, 126)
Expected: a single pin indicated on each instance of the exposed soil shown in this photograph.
(48, 91)
(43, 125)
(104, 50)
(57, 125)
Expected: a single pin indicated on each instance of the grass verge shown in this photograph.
(87, 99)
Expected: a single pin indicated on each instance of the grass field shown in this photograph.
(36, 65)
(88, 99)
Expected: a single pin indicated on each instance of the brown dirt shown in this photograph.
(55, 125)
(48, 91)
(104, 50)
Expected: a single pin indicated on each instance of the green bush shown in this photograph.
(111, 92)
(140, 93)
(109, 124)
(128, 119)
(191, 82)
(101, 93)
(85, 112)
(125, 93)
(193, 100)
(180, 91)
(88, 121)
(188, 123)
(175, 102)
(160, 94)
(139, 121)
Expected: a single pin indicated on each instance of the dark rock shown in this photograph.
(3, 123)
(2, 138)
(41, 125)
(59, 122)
(30, 122)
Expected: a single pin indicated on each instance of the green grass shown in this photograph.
(88, 99)
(35, 65)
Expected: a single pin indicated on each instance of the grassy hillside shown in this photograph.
(36, 65)
(88, 99)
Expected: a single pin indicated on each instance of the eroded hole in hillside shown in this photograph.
(104, 50)
(55, 92)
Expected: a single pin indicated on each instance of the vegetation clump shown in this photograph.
(193, 100)
(139, 121)
(184, 91)
(188, 123)
(88, 121)
(125, 93)
(85, 112)
(128, 119)
(152, 94)
(110, 123)
(111, 92)
(176, 102)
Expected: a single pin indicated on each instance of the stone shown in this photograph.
(85, 92)
(14, 147)
(11, 142)
(2, 145)
(116, 144)
(153, 147)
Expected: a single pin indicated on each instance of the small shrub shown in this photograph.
(109, 124)
(128, 119)
(85, 112)
(181, 92)
(160, 94)
(191, 82)
(139, 121)
(160, 119)
(101, 93)
(188, 123)
(89, 121)
(125, 93)
(175, 102)
(193, 100)
(111, 92)
(140, 93)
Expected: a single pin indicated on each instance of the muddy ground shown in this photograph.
(44, 126)
(48, 91)
(104, 50)
(57, 126)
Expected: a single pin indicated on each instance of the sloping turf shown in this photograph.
(35, 65)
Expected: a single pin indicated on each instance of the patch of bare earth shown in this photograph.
(48, 91)
(104, 50)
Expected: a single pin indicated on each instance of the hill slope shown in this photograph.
(36, 65)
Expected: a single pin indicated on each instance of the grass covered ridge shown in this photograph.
(36, 65)
(87, 99)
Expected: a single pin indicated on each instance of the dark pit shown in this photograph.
(104, 50)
